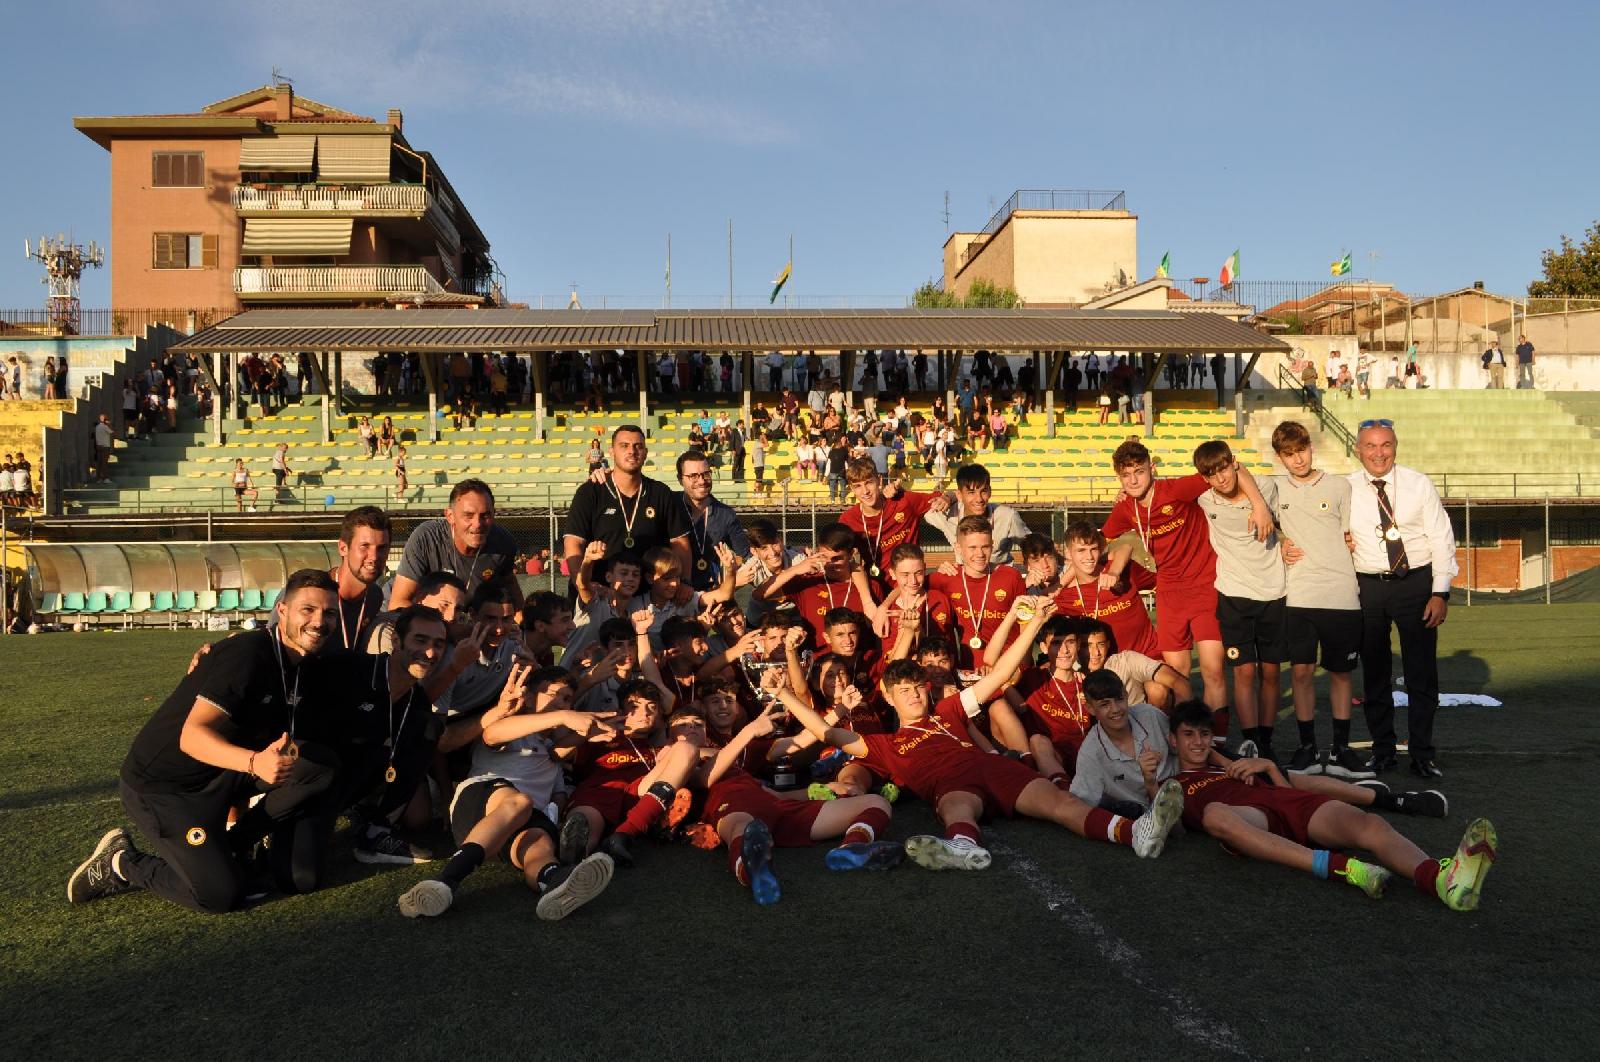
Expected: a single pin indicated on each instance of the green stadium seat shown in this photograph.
(250, 600)
(269, 600)
(49, 604)
(72, 603)
(226, 601)
(95, 603)
(184, 601)
(121, 601)
(140, 602)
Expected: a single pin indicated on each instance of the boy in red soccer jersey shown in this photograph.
(1046, 705)
(1168, 520)
(909, 572)
(751, 819)
(626, 785)
(1084, 594)
(934, 754)
(980, 592)
(823, 580)
(1042, 566)
(883, 517)
(1267, 819)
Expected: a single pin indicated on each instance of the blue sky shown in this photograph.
(1451, 139)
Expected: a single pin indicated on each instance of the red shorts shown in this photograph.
(612, 799)
(1186, 615)
(1066, 748)
(1290, 813)
(999, 780)
(789, 820)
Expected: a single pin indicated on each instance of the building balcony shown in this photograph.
(411, 201)
(314, 283)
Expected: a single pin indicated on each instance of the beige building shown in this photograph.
(1054, 247)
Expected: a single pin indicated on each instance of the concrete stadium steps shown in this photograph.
(182, 470)
(1480, 431)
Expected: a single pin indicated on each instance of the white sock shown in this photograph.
(1112, 827)
(872, 835)
(961, 842)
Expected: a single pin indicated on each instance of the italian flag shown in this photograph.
(1230, 269)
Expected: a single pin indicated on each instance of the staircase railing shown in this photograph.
(1312, 399)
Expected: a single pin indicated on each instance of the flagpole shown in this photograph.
(791, 269)
(669, 270)
(730, 263)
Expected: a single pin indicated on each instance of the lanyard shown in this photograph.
(627, 517)
(1084, 605)
(291, 698)
(828, 588)
(1144, 527)
(976, 615)
(939, 728)
(389, 773)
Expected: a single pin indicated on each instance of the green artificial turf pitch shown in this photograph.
(1063, 948)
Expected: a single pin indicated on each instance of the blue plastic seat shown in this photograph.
(49, 604)
(72, 603)
(162, 601)
(250, 600)
(121, 601)
(227, 601)
(269, 600)
(184, 602)
(96, 602)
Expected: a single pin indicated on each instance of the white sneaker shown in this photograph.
(1150, 829)
(252, 508)
(583, 883)
(937, 853)
(430, 898)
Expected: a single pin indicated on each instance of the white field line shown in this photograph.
(1186, 1017)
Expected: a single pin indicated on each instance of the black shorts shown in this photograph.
(1336, 630)
(761, 473)
(471, 804)
(1252, 631)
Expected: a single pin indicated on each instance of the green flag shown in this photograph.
(1340, 267)
(1165, 268)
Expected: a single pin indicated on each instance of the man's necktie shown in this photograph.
(1398, 565)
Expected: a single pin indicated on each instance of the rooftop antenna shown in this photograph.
(280, 79)
(572, 299)
(947, 211)
(64, 263)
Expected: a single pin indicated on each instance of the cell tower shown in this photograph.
(64, 263)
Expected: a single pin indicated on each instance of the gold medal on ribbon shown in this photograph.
(391, 774)
(975, 643)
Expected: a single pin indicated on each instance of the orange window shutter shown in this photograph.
(208, 251)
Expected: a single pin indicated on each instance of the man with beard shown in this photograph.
(710, 522)
(626, 509)
(364, 539)
(230, 730)
(466, 542)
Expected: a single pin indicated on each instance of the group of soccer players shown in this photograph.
(565, 736)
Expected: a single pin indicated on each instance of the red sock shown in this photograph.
(645, 811)
(1101, 825)
(1337, 862)
(969, 830)
(868, 825)
(735, 860)
(1426, 877)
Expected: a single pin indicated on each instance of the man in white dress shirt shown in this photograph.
(1405, 554)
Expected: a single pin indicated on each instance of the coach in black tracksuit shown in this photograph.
(228, 732)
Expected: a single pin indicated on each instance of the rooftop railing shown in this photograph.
(1056, 199)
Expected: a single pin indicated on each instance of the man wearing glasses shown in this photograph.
(710, 522)
(1405, 555)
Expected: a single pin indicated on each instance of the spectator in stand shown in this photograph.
(1524, 363)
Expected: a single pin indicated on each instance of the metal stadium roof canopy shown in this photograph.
(449, 330)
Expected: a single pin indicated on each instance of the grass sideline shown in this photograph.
(1064, 946)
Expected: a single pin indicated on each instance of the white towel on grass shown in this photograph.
(1452, 700)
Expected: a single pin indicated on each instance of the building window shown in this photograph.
(184, 250)
(178, 169)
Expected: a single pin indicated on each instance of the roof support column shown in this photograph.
(430, 377)
(747, 368)
(939, 374)
(1150, 393)
(1054, 358)
(219, 407)
(644, 392)
(847, 381)
(950, 384)
(327, 410)
(337, 390)
(540, 360)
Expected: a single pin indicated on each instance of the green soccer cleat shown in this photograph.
(1368, 877)
(820, 791)
(1461, 876)
(889, 791)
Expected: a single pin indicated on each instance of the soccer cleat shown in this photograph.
(429, 899)
(1305, 761)
(756, 855)
(820, 791)
(1428, 802)
(95, 877)
(1344, 763)
(1380, 762)
(390, 847)
(939, 853)
(617, 847)
(1426, 768)
(889, 791)
(869, 855)
(678, 810)
(574, 843)
(575, 886)
(1461, 876)
(1246, 750)
(1150, 829)
(1368, 877)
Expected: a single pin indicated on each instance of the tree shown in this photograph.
(982, 295)
(1573, 271)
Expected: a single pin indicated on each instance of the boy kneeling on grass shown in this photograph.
(499, 809)
(1267, 819)
(933, 754)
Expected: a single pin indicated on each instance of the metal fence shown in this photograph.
(1056, 199)
(40, 322)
